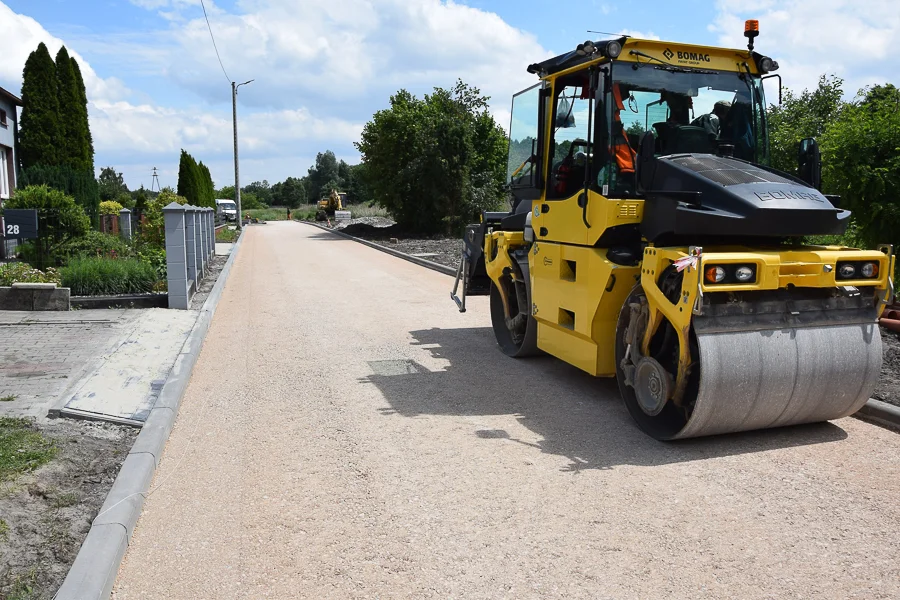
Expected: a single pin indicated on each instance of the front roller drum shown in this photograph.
(516, 335)
(745, 380)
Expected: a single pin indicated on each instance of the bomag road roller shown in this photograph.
(649, 240)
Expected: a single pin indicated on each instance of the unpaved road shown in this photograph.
(348, 434)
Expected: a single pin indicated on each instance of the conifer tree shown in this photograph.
(71, 146)
(39, 136)
(87, 139)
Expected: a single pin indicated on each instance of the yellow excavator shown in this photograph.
(328, 205)
(649, 240)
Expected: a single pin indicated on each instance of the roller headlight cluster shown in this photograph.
(857, 270)
(729, 274)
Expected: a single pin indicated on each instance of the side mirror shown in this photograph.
(809, 161)
(565, 119)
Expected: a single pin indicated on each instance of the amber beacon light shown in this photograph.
(751, 30)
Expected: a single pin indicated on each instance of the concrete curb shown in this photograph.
(880, 413)
(96, 566)
(451, 271)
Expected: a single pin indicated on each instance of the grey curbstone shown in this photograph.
(880, 412)
(94, 579)
(413, 259)
(93, 574)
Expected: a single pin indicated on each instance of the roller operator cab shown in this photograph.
(650, 241)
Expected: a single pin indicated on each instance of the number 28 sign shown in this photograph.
(20, 224)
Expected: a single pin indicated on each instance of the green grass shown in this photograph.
(307, 212)
(22, 587)
(226, 235)
(8, 398)
(268, 214)
(22, 448)
(108, 276)
(4, 530)
(365, 210)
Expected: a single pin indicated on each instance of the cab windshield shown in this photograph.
(689, 111)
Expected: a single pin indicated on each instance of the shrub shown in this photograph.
(60, 219)
(110, 207)
(156, 258)
(108, 277)
(81, 185)
(23, 273)
(94, 243)
(153, 232)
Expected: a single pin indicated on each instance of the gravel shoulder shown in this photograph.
(48, 512)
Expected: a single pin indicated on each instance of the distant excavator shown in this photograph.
(331, 203)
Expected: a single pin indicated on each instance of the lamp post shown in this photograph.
(237, 179)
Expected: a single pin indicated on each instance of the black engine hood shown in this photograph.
(692, 197)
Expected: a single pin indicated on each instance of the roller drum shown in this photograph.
(772, 378)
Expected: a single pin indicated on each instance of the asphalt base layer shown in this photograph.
(93, 573)
(875, 411)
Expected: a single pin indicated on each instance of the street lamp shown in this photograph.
(237, 179)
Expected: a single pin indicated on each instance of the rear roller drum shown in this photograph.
(516, 335)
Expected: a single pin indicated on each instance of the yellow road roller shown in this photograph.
(649, 240)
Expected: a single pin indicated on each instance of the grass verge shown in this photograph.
(268, 214)
(22, 448)
(226, 236)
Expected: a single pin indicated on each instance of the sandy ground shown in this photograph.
(49, 512)
(348, 434)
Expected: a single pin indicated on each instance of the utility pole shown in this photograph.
(237, 178)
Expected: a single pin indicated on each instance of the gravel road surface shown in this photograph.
(348, 434)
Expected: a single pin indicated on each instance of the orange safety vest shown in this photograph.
(621, 149)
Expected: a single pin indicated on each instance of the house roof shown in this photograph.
(15, 99)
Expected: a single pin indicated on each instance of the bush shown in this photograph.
(23, 273)
(60, 219)
(153, 232)
(156, 258)
(80, 185)
(94, 243)
(108, 277)
(110, 207)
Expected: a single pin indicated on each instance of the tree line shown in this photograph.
(859, 140)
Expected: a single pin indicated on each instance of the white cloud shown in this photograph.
(809, 38)
(321, 68)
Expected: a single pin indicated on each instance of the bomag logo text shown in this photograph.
(694, 56)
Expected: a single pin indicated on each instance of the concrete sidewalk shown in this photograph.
(346, 433)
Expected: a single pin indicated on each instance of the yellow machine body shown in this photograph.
(579, 299)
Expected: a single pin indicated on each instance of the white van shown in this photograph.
(226, 209)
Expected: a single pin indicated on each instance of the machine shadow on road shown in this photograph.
(576, 416)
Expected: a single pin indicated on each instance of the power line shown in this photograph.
(208, 26)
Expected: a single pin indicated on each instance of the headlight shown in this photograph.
(869, 270)
(858, 270)
(613, 49)
(715, 274)
(847, 270)
(743, 274)
(730, 274)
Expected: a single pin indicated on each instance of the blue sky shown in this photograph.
(322, 67)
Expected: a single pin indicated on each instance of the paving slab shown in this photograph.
(124, 386)
(44, 353)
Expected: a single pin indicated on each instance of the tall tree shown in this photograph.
(71, 147)
(435, 163)
(87, 140)
(189, 179)
(207, 187)
(40, 135)
(324, 172)
(112, 184)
